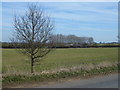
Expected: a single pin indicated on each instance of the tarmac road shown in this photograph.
(107, 81)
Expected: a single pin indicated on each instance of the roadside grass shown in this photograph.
(18, 78)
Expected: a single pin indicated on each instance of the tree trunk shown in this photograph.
(32, 64)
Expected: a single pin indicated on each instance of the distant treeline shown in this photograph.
(68, 41)
(96, 45)
(72, 39)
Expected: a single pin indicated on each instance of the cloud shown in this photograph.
(88, 7)
(85, 12)
(83, 28)
(74, 11)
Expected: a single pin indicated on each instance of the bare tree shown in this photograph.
(90, 40)
(33, 33)
(118, 38)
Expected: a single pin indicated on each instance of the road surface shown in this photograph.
(107, 81)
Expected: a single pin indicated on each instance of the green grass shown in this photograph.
(14, 62)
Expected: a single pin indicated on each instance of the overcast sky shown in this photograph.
(98, 20)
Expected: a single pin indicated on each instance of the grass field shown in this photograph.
(14, 62)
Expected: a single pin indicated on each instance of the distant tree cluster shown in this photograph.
(60, 39)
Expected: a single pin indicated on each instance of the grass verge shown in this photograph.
(23, 78)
